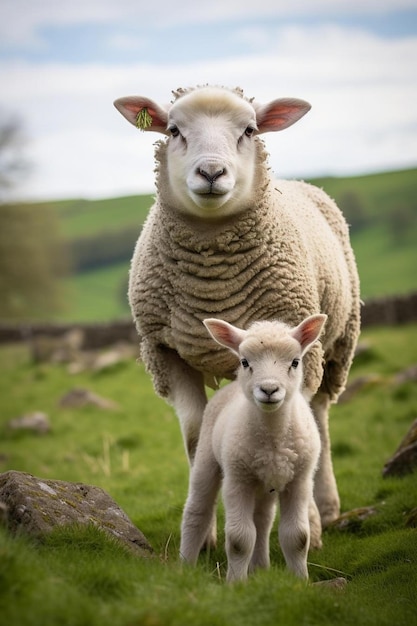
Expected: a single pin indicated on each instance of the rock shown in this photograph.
(61, 349)
(36, 422)
(336, 584)
(79, 397)
(116, 354)
(404, 460)
(37, 506)
(407, 375)
(352, 520)
(101, 360)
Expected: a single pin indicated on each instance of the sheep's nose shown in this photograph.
(211, 177)
(269, 389)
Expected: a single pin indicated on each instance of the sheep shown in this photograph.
(225, 238)
(259, 438)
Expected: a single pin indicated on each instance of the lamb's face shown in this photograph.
(211, 152)
(270, 354)
(270, 375)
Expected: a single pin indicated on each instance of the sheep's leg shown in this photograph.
(239, 502)
(315, 525)
(294, 526)
(199, 508)
(264, 518)
(188, 397)
(325, 488)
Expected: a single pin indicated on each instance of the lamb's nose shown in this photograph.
(211, 177)
(269, 389)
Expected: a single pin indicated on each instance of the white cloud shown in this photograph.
(362, 89)
(21, 21)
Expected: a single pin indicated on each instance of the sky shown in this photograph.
(62, 64)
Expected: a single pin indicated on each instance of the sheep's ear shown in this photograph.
(280, 114)
(143, 113)
(309, 331)
(225, 334)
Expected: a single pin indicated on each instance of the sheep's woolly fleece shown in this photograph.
(287, 257)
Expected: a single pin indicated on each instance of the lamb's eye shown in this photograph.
(174, 130)
(249, 131)
(244, 363)
(295, 363)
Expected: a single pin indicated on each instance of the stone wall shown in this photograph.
(389, 311)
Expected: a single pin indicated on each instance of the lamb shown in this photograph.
(259, 438)
(226, 239)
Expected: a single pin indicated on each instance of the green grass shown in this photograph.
(384, 268)
(378, 193)
(97, 296)
(80, 577)
(88, 217)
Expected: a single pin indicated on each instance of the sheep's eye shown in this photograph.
(295, 363)
(174, 130)
(249, 131)
(244, 363)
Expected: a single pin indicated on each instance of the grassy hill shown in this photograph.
(381, 209)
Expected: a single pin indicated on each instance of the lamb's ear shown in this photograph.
(309, 331)
(225, 334)
(143, 113)
(280, 114)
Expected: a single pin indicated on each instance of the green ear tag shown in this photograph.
(143, 119)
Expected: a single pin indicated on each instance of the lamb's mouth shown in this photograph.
(268, 406)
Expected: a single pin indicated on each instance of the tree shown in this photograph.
(13, 164)
(33, 261)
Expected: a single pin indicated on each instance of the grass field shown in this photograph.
(78, 577)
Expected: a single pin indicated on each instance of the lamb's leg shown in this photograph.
(264, 518)
(239, 502)
(200, 506)
(294, 526)
(325, 488)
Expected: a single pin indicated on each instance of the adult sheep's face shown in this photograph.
(211, 151)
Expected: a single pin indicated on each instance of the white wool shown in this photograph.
(260, 440)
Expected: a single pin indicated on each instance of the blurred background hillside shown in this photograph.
(69, 260)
